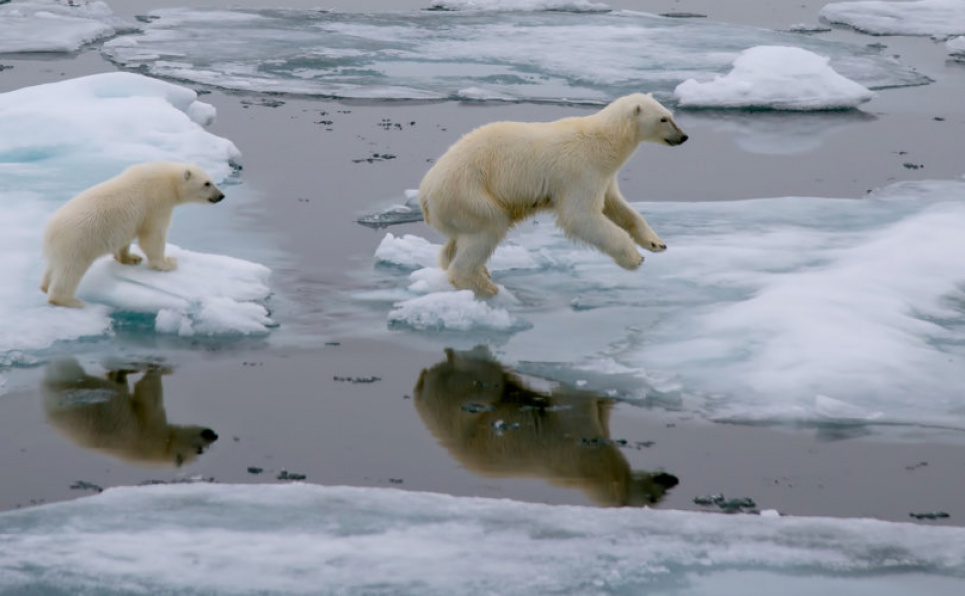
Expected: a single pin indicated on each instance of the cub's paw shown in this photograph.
(129, 259)
(167, 264)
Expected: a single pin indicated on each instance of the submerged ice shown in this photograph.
(463, 54)
(56, 25)
(210, 539)
(61, 138)
(937, 18)
(789, 309)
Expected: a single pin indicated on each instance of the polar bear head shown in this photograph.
(653, 122)
(197, 186)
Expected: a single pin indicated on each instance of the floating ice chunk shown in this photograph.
(450, 310)
(293, 538)
(519, 5)
(463, 55)
(408, 251)
(956, 48)
(207, 294)
(775, 77)
(938, 18)
(56, 26)
(407, 212)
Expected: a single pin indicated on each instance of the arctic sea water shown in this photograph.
(736, 322)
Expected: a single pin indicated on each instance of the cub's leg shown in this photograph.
(64, 281)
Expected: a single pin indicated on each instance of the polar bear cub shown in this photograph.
(106, 218)
(504, 172)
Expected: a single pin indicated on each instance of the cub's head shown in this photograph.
(186, 443)
(655, 123)
(197, 186)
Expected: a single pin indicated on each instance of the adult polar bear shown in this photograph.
(106, 218)
(504, 172)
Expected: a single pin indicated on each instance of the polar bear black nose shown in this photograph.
(683, 139)
(217, 199)
(209, 435)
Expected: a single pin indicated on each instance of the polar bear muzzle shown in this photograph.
(217, 198)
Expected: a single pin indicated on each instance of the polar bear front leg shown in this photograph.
(151, 241)
(124, 256)
(592, 227)
(616, 208)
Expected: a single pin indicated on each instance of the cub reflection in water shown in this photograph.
(562, 436)
(103, 414)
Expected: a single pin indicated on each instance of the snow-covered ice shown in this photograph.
(299, 538)
(937, 18)
(56, 25)
(775, 77)
(49, 153)
(465, 55)
(768, 310)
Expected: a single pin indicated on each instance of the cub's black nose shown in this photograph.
(218, 198)
(683, 139)
(209, 435)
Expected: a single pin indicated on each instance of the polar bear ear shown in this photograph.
(187, 174)
(637, 109)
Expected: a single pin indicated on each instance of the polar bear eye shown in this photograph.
(207, 184)
(664, 119)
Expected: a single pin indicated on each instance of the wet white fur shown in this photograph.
(504, 172)
(106, 218)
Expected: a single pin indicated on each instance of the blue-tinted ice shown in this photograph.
(543, 56)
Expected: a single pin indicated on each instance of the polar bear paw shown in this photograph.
(630, 260)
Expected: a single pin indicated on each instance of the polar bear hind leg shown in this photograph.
(467, 271)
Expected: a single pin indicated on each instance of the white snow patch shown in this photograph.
(775, 77)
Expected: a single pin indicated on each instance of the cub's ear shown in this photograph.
(187, 174)
(650, 95)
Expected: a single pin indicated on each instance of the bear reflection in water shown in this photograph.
(494, 425)
(103, 414)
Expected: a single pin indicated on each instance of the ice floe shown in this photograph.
(763, 310)
(519, 5)
(775, 77)
(56, 25)
(287, 539)
(465, 55)
(61, 138)
(938, 18)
